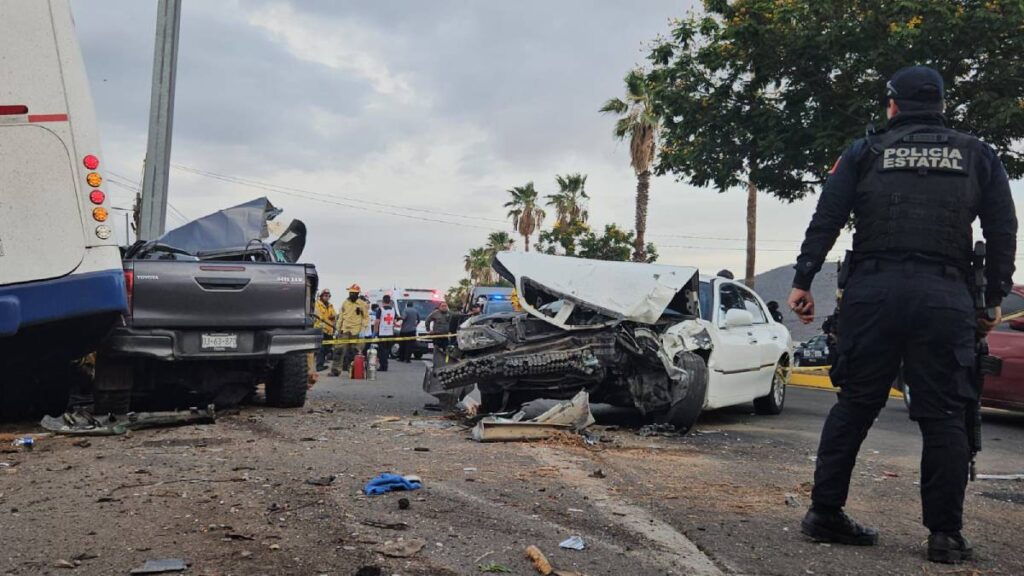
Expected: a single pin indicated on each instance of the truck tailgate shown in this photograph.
(178, 294)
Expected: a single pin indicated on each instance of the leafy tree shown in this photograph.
(638, 121)
(768, 93)
(570, 201)
(561, 239)
(615, 244)
(525, 213)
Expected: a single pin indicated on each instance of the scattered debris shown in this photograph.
(83, 443)
(657, 430)
(573, 415)
(64, 564)
(468, 407)
(421, 449)
(1018, 477)
(388, 482)
(322, 481)
(237, 536)
(793, 501)
(890, 474)
(494, 567)
(369, 571)
(80, 423)
(403, 504)
(573, 543)
(161, 566)
(385, 420)
(540, 562)
(26, 443)
(389, 525)
(599, 473)
(401, 548)
(275, 546)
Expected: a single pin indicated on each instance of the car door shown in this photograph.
(736, 358)
(768, 343)
(1006, 341)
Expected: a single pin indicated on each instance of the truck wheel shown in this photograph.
(772, 404)
(686, 409)
(112, 389)
(288, 382)
(417, 355)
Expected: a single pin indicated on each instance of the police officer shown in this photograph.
(914, 191)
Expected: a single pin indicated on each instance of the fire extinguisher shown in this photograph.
(359, 367)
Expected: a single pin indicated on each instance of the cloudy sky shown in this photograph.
(394, 128)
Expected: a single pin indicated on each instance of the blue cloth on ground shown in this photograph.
(388, 482)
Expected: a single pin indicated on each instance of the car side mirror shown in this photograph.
(1017, 324)
(737, 318)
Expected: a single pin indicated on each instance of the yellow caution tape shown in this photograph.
(389, 339)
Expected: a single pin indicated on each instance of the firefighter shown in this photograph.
(354, 318)
(326, 319)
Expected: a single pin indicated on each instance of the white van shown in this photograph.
(61, 282)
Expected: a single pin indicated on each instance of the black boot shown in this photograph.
(949, 548)
(836, 526)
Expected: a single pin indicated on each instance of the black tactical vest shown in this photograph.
(918, 194)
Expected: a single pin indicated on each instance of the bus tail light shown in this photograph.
(97, 196)
(91, 162)
(13, 109)
(99, 214)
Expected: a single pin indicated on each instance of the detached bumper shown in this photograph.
(187, 344)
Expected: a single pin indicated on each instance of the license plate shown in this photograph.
(220, 341)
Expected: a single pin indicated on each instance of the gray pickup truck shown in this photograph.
(207, 321)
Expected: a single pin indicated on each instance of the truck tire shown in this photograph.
(112, 388)
(288, 382)
(684, 411)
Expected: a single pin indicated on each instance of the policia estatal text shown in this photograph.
(914, 191)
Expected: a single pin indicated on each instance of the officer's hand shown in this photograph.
(985, 325)
(801, 302)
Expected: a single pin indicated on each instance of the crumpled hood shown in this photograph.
(633, 291)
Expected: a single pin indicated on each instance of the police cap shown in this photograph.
(915, 84)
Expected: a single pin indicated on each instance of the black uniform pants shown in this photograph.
(918, 315)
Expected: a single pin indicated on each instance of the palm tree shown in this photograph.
(570, 201)
(477, 264)
(524, 212)
(499, 242)
(639, 122)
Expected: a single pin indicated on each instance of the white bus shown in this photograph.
(61, 283)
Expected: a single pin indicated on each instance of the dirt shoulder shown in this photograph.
(234, 498)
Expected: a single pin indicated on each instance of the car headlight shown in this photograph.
(475, 339)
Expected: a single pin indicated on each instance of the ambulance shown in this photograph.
(424, 300)
(61, 283)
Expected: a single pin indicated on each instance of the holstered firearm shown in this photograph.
(984, 363)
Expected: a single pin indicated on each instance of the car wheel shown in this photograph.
(687, 407)
(112, 388)
(417, 355)
(288, 382)
(772, 404)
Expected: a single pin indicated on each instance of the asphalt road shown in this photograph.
(893, 434)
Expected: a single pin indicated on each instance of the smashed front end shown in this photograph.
(626, 333)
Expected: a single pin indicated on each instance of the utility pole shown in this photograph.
(153, 216)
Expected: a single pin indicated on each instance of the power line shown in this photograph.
(278, 187)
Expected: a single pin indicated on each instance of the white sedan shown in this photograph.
(660, 338)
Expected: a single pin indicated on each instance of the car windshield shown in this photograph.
(424, 307)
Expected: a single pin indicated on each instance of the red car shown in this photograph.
(1006, 341)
